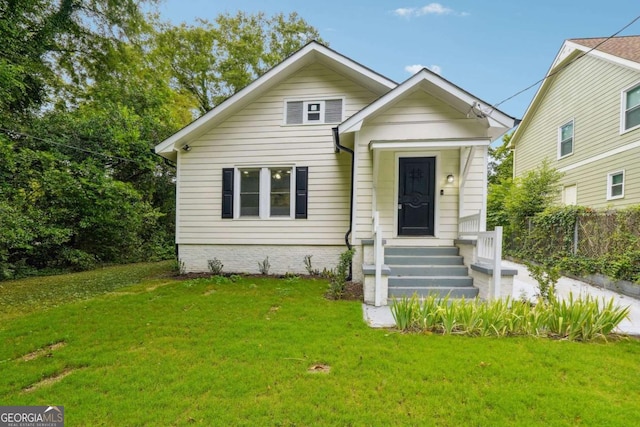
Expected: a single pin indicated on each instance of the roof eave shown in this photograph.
(302, 57)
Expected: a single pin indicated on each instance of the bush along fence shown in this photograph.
(583, 242)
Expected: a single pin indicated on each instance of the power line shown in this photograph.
(567, 64)
(10, 132)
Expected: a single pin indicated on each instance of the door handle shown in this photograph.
(399, 206)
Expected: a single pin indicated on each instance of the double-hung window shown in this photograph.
(565, 139)
(631, 108)
(615, 185)
(264, 192)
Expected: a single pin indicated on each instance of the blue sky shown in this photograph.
(492, 48)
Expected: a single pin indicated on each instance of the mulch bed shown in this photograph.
(353, 291)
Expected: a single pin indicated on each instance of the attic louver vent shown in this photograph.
(294, 112)
(318, 112)
(333, 111)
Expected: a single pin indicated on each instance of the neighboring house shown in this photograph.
(585, 119)
(300, 161)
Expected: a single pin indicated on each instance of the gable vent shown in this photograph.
(333, 111)
(294, 112)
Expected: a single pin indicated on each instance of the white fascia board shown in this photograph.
(399, 145)
(566, 51)
(355, 122)
(284, 68)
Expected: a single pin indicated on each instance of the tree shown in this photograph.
(87, 89)
(214, 60)
(501, 161)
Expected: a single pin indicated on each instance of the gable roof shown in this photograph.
(624, 51)
(310, 53)
(627, 47)
(428, 81)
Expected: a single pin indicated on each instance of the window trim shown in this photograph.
(560, 140)
(623, 109)
(610, 184)
(314, 100)
(264, 206)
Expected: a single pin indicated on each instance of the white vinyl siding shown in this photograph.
(565, 139)
(417, 116)
(631, 108)
(615, 185)
(255, 138)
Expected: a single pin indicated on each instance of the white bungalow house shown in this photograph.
(308, 157)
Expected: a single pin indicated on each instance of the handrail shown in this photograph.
(489, 251)
(378, 256)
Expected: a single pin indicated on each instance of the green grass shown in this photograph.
(212, 352)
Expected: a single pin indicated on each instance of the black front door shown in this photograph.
(416, 196)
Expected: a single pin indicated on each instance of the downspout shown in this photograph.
(339, 147)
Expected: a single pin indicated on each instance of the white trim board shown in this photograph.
(601, 156)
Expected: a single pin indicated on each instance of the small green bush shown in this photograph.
(338, 278)
(215, 266)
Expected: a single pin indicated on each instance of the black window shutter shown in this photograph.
(227, 192)
(302, 191)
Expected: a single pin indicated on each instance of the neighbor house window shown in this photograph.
(264, 192)
(615, 185)
(313, 111)
(631, 106)
(565, 139)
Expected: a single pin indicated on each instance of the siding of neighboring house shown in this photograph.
(406, 120)
(256, 136)
(589, 92)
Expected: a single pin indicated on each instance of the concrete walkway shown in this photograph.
(525, 286)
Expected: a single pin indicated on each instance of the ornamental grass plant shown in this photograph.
(575, 319)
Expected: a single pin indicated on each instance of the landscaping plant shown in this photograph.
(574, 319)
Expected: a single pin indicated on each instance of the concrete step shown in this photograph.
(430, 281)
(420, 251)
(408, 291)
(429, 270)
(423, 260)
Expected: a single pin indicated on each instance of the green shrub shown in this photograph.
(338, 279)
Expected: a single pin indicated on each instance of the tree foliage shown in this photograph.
(213, 60)
(87, 89)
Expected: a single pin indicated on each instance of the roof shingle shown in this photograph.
(627, 47)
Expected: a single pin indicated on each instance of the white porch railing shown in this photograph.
(378, 258)
(469, 226)
(489, 251)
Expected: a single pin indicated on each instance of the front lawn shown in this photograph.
(214, 352)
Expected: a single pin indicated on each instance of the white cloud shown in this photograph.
(430, 9)
(434, 9)
(412, 69)
(436, 69)
(404, 12)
